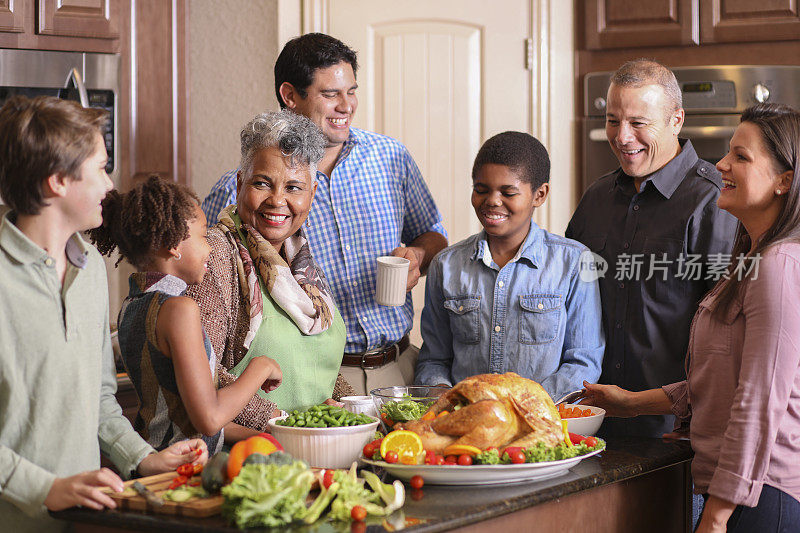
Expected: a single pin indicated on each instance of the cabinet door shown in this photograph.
(98, 19)
(746, 20)
(11, 16)
(633, 23)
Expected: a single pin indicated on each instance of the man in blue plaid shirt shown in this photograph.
(371, 200)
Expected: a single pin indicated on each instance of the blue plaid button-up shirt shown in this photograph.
(374, 200)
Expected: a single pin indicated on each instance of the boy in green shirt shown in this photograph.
(57, 375)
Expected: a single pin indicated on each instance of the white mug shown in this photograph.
(390, 285)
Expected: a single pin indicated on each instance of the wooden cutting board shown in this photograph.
(130, 500)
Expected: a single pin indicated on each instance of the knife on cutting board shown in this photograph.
(151, 497)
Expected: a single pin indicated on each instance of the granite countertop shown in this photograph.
(440, 508)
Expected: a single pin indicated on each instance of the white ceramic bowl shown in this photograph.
(360, 404)
(336, 447)
(585, 425)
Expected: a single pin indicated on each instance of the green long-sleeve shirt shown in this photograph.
(57, 377)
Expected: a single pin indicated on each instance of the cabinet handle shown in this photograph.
(692, 132)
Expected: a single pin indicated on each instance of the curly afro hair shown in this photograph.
(152, 216)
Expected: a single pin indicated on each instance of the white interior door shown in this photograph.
(441, 77)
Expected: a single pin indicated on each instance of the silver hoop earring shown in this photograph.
(179, 257)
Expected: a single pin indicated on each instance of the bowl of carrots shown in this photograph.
(581, 419)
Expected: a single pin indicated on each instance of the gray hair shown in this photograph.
(644, 71)
(294, 135)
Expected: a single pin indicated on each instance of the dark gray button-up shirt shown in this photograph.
(664, 247)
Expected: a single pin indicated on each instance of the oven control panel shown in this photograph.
(708, 94)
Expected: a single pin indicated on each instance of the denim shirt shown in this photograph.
(535, 316)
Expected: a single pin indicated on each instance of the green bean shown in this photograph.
(323, 415)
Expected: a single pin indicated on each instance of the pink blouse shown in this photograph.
(742, 391)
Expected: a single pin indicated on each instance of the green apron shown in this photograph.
(310, 363)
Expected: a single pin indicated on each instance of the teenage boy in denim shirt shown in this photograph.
(511, 298)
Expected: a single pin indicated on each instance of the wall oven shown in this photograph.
(713, 98)
(88, 78)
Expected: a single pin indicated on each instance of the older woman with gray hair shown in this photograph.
(263, 293)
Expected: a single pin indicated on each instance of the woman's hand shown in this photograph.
(615, 400)
(331, 401)
(186, 451)
(624, 403)
(716, 513)
(84, 489)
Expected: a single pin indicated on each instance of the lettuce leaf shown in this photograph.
(267, 495)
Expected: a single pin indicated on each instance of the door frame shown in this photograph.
(552, 73)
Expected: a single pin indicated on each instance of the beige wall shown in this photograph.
(233, 45)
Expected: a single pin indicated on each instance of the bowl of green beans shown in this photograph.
(324, 436)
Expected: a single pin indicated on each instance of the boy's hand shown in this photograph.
(84, 489)
(186, 451)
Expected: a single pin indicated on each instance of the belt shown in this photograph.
(378, 357)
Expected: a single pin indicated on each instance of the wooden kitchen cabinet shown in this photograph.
(633, 23)
(98, 19)
(10, 16)
(733, 21)
(611, 24)
(67, 25)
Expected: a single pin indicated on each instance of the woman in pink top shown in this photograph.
(742, 393)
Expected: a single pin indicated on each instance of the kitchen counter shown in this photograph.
(635, 485)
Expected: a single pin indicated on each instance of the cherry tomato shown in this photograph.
(591, 442)
(439, 460)
(368, 450)
(510, 450)
(391, 457)
(575, 438)
(358, 513)
(517, 457)
(430, 457)
(178, 481)
(327, 478)
(450, 460)
(416, 482)
(377, 443)
(198, 469)
(464, 459)
(186, 469)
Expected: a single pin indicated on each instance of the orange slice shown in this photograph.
(406, 444)
(460, 449)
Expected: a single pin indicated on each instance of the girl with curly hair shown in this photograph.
(159, 228)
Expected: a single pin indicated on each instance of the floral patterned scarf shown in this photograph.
(299, 287)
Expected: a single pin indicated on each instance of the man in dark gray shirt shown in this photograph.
(656, 223)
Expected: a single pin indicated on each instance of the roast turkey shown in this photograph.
(491, 410)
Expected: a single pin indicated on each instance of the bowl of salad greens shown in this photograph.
(404, 403)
